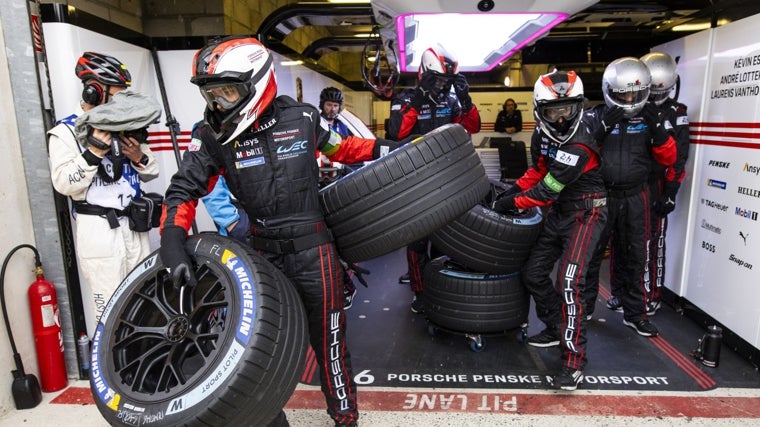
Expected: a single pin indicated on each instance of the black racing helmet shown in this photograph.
(330, 94)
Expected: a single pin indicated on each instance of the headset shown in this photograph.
(93, 94)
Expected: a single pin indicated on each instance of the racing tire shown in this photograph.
(406, 195)
(486, 241)
(461, 300)
(231, 356)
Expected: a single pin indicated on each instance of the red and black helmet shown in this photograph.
(103, 69)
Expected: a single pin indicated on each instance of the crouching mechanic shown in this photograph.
(265, 145)
(566, 175)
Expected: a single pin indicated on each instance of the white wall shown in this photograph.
(16, 226)
(721, 72)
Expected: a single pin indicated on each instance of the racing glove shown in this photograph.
(462, 89)
(612, 116)
(359, 272)
(505, 205)
(174, 257)
(384, 146)
(652, 119)
(667, 202)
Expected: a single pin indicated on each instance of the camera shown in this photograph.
(141, 135)
(485, 5)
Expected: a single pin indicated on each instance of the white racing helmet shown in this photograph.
(662, 67)
(236, 78)
(625, 84)
(558, 104)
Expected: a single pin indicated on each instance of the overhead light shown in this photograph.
(507, 81)
(291, 63)
(491, 37)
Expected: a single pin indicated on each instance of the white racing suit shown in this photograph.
(105, 254)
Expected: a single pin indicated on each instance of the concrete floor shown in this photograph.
(303, 411)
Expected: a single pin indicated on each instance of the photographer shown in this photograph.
(101, 171)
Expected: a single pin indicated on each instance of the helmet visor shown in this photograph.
(629, 97)
(659, 96)
(553, 112)
(226, 95)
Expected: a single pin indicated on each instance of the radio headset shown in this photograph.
(93, 94)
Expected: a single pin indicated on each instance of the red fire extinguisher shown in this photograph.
(48, 339)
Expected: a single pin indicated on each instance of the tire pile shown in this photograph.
(437, 187)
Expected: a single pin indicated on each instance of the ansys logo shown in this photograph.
(751, 169)
(746, 213)
(719, 164)
(717, 184)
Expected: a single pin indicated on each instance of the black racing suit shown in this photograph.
(665, 182)
(406, 120)
(567, 178)
(628, 151)
(271, 170)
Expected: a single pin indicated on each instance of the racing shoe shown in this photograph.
(348, 297)
(567, 379)
(615, 304)
(652, 307)
(417, 305)
(405, 279)
(549, 337)
(643, 327)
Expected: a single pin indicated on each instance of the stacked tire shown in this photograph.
(406, 195)
(476, 287)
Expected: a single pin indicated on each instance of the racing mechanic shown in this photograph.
(566, 177)
(419, 110)
(265, 146)
(664, 183)
(631, 136)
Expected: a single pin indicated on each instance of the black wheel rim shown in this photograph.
(159, 349)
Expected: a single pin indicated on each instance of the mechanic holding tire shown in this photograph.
(566, 175)
(419, 110)
(265, 145)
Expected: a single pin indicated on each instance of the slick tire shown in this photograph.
(231, 356)
(461, 300)
(489, 242)
(405, 195)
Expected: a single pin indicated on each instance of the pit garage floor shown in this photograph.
(408, 377)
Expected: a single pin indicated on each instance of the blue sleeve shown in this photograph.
(219, 206)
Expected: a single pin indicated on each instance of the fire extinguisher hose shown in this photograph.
(38, 264)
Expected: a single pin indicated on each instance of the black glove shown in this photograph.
(612, 116)
(420, 98)
(358, 271)
(505, 205)
(384, 146)
(652, 119)
(511, 191)
(462, 89)
(174, 257)
(427, 84)
(667, 201)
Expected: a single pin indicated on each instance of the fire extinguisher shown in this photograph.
(48, 338)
